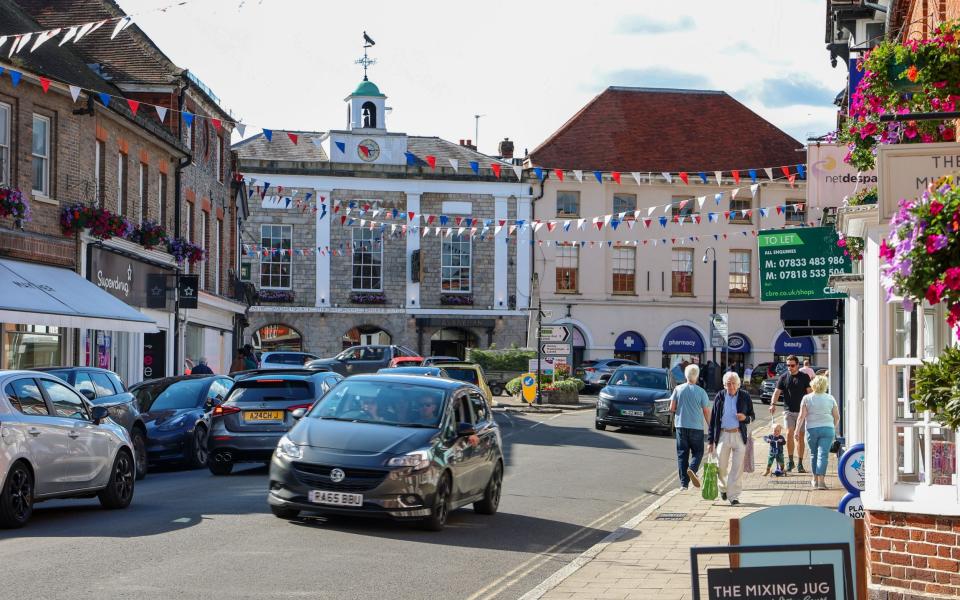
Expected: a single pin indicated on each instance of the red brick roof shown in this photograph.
(645, 129)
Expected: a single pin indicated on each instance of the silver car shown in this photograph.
(56, 445)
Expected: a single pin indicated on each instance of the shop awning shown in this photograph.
(683, 339)
(737, 342)
(630, 341)
(33, 294)
(803, 346)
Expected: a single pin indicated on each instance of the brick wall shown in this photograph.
(923, 15)
(912, 555)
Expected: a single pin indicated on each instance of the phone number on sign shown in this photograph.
(803, 274)
(816, 261)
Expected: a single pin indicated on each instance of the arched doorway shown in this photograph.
(365, 335)
(452, 342)
(579, 344)
(277, 336)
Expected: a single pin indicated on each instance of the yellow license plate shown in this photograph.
(263, 415)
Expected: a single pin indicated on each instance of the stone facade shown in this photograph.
(303, 231)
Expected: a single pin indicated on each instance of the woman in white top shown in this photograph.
(819, 412)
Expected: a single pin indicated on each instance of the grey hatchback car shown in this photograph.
(403, 447)
(256, 413)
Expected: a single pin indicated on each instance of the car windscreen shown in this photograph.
(641, 379)
(383, 402)
(460, 374)
(269, 390)
(176, 395)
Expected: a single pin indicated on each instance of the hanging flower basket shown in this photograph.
(901, 78)
(102, 223)
(148, 234)
(921, 258)
(13, 204)
(368, 298)
(182, 250)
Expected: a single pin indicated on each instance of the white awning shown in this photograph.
(33, 294)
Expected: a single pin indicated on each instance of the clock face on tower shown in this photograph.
(368, 150)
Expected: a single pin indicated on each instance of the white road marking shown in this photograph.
(182, 520)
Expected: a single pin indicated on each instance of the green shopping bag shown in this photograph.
(711, 473)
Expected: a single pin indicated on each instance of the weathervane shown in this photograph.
(366, 61)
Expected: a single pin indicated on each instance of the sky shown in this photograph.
(526, 66)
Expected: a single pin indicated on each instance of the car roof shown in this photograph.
(461, 365)
(175, 378)
(26, 372)
(642, 368)
(445, 384)
(73, 368)
(288, 352)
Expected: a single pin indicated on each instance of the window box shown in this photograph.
(368, 298)
(456, 299)
(276, 296)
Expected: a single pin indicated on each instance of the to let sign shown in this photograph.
(797, 264)
(788, 582)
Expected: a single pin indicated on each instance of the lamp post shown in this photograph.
(714, 309)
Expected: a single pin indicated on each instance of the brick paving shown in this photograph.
(651, 559)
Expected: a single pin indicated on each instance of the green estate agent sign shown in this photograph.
(795, 264)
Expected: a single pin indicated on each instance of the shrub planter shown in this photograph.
(559, 396)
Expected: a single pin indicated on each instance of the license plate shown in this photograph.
(632, 413)
(335, 498)
(262, 415)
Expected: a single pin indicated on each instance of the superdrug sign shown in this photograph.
(136, 282)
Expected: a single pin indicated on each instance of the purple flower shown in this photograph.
(936, 242)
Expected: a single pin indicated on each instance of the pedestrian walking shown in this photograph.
(691, 408)
(777, 442)
(793, 386)
(201, 368)
(732, 412)
(249, 358)
(238, 364)
(819, 414)
(748, 374)
(808, 369)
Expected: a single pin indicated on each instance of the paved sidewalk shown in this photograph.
(650, 558)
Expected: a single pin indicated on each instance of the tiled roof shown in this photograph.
(646, 129)
(422, 146)
(282, 148)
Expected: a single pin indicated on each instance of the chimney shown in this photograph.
(461, 141)
(468, 144)
(506, 148)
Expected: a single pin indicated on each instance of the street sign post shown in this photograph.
(554, 333)
(556, 349)
(796, 264)
(719, 329)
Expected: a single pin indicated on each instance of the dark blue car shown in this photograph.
(172, 409)
(636, 397)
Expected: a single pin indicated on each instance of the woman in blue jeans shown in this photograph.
(819, 412)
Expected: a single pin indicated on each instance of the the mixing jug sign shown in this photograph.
(906, 170)
(791, 582)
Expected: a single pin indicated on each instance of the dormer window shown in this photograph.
(369, 115)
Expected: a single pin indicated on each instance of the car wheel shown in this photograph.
(119, 490)
(16, 498)
(491, 495)
(139, 440)
(220, 464)
(441, 507)
(198, 451)
(601, 426)
(284, 513)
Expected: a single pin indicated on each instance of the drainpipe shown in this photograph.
(181, 164)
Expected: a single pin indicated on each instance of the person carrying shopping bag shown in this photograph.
(820, 415)
(727, 436)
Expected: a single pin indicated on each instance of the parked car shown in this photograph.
(595, 373)
(105, 388)
(636, 397)
(56, 444)
(769, 385)
(391, 446)
(247, 425)
(173, 409)
(362, 359)
(762, 372)
(426, 371)
(406, 361)
(470, 373)
(440, 360)
(280, 360)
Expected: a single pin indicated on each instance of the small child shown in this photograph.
(777, 442)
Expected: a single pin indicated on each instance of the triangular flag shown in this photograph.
(802, 171)
(719, 176)
(733, 194)
(599, 176)
(134, 105)
(455, 164)
(66, 37)
(753, 175)
(43, 37)
(84, 29)
(267, 133)
(791, 178)
(105, 98)
(700, 201)
(616, 176)
(518, 170)
(578, 174)
(121, 25)
(769, 172)
(636, 176)
(684, 177)
(736, 176)
(559, 174)
(754, 188)
(162, 113)
(22, 41)
(580, 223)
(45, 84)
(431, 160)
(15, 77)
(538, 172)
(703, 176)
(717, 198)
(785, 170)
(217, 125)
(496, 169)
(667, 176)
(75, 92)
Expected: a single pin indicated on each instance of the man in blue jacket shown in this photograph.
(732, 412)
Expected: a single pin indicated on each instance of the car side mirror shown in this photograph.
(298, 413)
(466, 429)
(99, 414)
(88, 394)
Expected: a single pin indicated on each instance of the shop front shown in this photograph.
(682, 344)
(208, 332)
(801, 347)
(736, 353)
(630, 345)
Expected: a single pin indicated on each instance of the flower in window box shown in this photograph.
(13, 204)
(368, 298)
(456, 300)
(148, 234)
(285, 296)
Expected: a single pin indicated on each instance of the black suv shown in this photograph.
(362, 359)
(104, 388)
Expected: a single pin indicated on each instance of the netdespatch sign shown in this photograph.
(829, 179)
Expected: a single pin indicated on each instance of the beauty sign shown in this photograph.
(792, 582)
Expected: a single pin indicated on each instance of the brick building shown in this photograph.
(60, 151)
(203, 211)
(338, 260)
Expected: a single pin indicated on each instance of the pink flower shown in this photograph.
(842, 243)
(886, 252)
(935, 243)
(867, 130)
(935, 292)
(926, 138)
(952, 278)
(940, 84)
(948, 134)
(935, 207)
(910, 131)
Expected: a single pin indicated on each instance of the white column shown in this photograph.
(501, 263)
(523, 254)
(413, 244)
(323, 242)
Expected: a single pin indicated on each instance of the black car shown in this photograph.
(397, 446)
(173, 410)
(105, 388)
(256, 413)
(636, 397)
(362, 359)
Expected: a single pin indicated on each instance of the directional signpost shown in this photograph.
(719, 328)
(556, 343)
(556, 349)
(554, 333)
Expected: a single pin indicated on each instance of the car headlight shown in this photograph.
(172, 424)
(662, 406)
(416, 460)
(289, 450)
